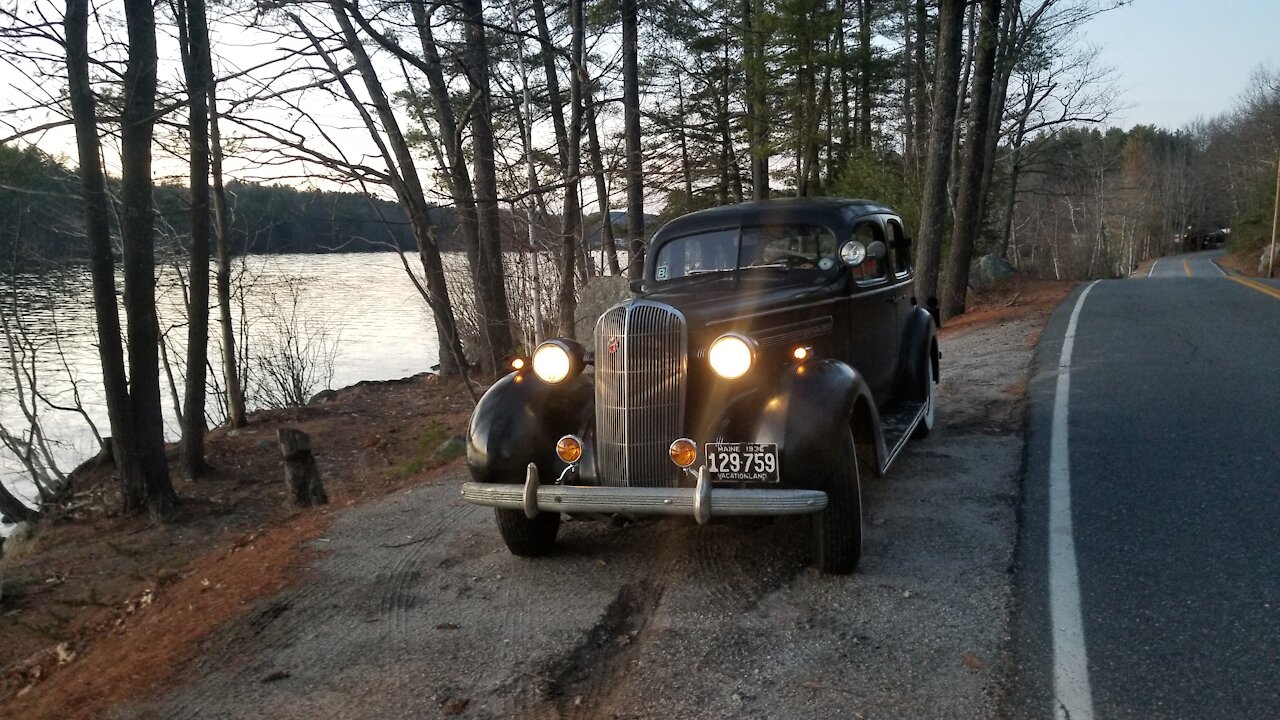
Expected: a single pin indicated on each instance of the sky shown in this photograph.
(1179, 60)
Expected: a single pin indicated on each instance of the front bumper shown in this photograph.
(700, 503)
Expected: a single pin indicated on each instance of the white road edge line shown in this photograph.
(1152, 268)
(1074, 698)
(1214, 262)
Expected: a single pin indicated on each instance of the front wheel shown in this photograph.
(837, 530)
(527, 537)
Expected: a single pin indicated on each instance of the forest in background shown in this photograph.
(984, 122)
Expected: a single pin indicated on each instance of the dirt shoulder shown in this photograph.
(103, 608)
(406, 604)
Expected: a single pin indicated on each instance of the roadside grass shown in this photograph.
(433, 448)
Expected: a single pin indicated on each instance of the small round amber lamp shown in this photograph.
(683, 452)
(569, 448)
(517, 363)
(801, 353)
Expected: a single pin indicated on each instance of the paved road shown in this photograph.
(1161, 472)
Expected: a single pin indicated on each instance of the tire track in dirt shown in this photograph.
(398, 594)
(594, 676)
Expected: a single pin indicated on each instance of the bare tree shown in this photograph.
(631, 128)
(933, 209)
(193, 34)
(222, 227)
(969, 199)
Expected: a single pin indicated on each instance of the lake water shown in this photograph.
(361, 308)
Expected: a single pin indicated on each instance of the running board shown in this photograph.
(897, 426)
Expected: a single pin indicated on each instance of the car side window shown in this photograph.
(789, 246)
(871, 269)
(899, 248)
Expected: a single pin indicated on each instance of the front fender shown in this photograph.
(518, 421)
(810, 413)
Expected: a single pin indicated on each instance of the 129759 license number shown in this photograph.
(743, 462)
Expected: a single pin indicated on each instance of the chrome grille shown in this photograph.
(640, 389)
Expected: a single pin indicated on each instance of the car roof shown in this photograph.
(820, 211)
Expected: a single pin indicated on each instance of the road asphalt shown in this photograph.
(1172, 445)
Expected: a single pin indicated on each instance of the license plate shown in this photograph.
(743, 462)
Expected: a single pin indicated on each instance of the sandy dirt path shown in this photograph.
(415, 609)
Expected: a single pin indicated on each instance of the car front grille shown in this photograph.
(641, 364)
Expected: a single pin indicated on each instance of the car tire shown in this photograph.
(527, 537)
(837, 530)
(929, 392)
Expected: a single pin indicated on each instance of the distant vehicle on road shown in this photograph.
(770, 350)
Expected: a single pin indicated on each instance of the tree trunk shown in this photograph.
(921, 73)
(686, 170)
(491, 287)
(137, 230)
(198, 68)
(864, 73)
(933, 209)
(222, 225)
(969, 198)
(14, 510)
(554, 96)
(101, 262)
(631, 127)
(757, 128)
(962, 91)
(999, 96)
(403, 176)
(568, 298)
(607, 242)
(300, 474)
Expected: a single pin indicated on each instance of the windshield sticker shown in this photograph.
(826, 263)
(661, 273)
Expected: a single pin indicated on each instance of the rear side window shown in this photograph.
(899, 247)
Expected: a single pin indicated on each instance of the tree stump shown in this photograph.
(300, 473)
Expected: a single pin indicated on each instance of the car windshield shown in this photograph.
(785, 247)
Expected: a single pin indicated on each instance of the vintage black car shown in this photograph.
(770, 350)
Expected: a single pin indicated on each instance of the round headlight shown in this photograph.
(730, 356)
(551, 362)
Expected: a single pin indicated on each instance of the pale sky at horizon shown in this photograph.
(1180, 60)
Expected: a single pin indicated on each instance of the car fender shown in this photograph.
(816, 403)
(919, 339)
(518, 421)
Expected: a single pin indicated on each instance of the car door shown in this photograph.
(873, 313)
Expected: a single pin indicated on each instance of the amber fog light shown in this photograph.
(569, 448)
(802, 353)
(683, 452)
(517, 363)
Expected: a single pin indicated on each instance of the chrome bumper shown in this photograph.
(701, 502)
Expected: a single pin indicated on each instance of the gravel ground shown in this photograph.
(415, 608)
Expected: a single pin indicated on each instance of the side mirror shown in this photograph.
(635, 285)
(852, 253)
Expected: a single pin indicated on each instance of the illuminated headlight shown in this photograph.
(558, 360)
(551, 362)
(730, 356)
